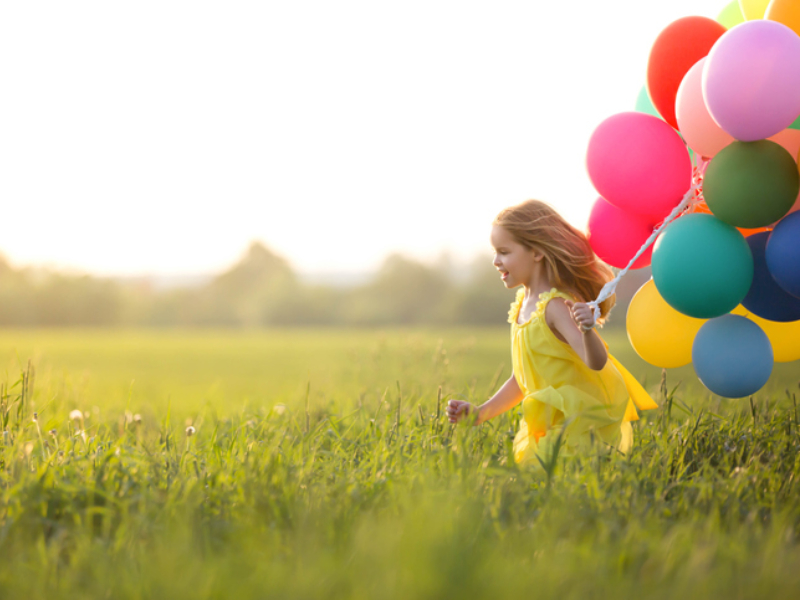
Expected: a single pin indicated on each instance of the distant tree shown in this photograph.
(404, 291)
(483, 300)
(251, 293)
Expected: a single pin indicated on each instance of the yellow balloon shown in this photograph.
(753, 9)
(786, 12)
(658, 333)
(731, 15)
(784, 337)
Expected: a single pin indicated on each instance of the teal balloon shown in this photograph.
(644, 105)
(751, 184)
(701, 266)
(796, 123)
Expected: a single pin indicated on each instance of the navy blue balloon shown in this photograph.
(766, 298)
(783, 253)
(732, 356)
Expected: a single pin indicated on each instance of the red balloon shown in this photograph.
(616, 235)
(674, 52)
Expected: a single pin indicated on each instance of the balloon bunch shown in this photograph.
(711, 159)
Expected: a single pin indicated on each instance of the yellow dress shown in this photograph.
(561, 393)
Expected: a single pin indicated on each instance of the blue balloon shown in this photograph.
(783, 253)
(732, 356)
(766, 298)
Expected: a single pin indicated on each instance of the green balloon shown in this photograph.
(731, 15)
(702, 267)
(751, 184)
(644, 104)
(796, 124)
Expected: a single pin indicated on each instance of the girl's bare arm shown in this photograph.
(506, 398)
(564, 317)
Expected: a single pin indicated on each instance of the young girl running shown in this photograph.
(568, 383)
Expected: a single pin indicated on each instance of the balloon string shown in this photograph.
(692, 196)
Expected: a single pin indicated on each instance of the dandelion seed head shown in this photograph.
(53, 432)
(76, 415)
(190, 431)
(137, 418)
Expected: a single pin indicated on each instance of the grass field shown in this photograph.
(321, 466)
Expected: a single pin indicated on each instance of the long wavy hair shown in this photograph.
(571, 264)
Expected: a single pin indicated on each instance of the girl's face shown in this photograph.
(516, 263)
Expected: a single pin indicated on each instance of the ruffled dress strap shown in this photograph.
(516, 306)
(545, 298)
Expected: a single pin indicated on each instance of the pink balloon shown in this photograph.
(751, 80)
(639, 163)
(699, 130)
(616, 235)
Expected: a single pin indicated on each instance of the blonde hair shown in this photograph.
(571, 264)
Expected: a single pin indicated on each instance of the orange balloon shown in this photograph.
(786, 12)
(702, 208)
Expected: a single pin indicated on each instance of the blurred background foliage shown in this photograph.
(263, 290)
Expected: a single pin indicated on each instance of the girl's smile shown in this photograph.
(517, 264)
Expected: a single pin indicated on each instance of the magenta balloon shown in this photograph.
(700, 131)
(616, 235)
(751, 80)
(639, 164)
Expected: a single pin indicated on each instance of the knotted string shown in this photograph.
(692, 196)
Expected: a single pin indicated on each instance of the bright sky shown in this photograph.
(162, 137)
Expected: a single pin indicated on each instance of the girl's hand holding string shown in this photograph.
(458, 410)
(582, 314)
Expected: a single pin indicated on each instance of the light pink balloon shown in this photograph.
(639, 164)
(751, 80)
(699, 130)
(616, 235)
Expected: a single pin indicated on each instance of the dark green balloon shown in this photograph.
(751, 184)
(702, 267)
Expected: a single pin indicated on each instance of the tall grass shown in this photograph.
(375, 495)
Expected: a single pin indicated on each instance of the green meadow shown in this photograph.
(320, 465)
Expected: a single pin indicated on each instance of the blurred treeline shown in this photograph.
(262, 290)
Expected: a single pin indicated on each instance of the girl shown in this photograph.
(567, 382)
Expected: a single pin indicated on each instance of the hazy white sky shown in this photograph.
(162, 137)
